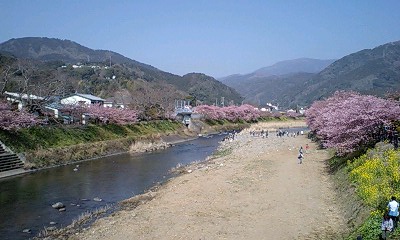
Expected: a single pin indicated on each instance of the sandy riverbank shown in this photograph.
(254, 190)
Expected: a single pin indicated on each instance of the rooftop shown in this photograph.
(89, 96)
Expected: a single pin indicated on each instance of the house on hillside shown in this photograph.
(80, 99)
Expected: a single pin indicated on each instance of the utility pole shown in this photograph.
(110, 61)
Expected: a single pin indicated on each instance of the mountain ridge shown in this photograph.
(51, 49)
(273, 83)
(309, 65)
(373, 71)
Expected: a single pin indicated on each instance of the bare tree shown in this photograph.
(26, 71)
(4, 78)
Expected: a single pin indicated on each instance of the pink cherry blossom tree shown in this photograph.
(112, 115)
(348, 121)
(232, 113)
(11, 119)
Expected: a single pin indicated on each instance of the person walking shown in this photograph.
(393, 207)
(300, 157)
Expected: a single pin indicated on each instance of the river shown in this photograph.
(25, 201)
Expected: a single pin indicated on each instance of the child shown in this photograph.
(300, 157)
(387, 226)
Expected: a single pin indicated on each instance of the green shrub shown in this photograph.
(370, 229)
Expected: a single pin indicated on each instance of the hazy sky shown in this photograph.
(215, 37)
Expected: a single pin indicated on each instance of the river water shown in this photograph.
(25, 201)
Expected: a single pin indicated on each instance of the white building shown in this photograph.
(21, 99)
(79, 98)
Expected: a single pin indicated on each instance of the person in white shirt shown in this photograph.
(393, 206)
(387, 226)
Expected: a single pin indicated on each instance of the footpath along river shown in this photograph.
(25, 201)
(256, 190)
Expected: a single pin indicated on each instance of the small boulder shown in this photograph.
(51, 228)
(53, 223)
(97, 199)
(58, 205)
(61, 209)
(27, 230)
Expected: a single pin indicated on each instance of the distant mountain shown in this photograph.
(275, 83)
(370, 71)
(128, 77)
(273, 89)
(307, 65)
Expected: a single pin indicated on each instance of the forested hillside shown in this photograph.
(45, 66)
(371, 71)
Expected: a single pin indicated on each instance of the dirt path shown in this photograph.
(257, 191)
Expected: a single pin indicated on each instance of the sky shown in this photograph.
(215, 37)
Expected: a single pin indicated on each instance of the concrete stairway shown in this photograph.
(9, 161)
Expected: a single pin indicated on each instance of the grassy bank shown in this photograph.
(44, 137)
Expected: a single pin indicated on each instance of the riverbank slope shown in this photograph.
(252, 189)
(49, 146)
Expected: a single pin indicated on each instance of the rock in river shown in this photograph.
(97, 199)
(58, 205)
